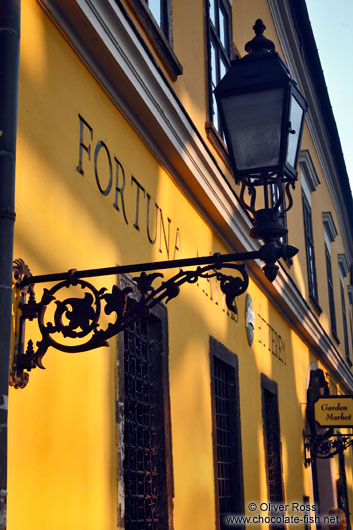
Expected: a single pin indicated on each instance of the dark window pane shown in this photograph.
(272, 448)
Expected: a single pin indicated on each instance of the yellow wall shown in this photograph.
(62, 439)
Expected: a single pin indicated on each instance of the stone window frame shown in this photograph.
(158, 312)
(219, 352)
(160, 38)
(330, 234)
(344, 269)
(309, 183)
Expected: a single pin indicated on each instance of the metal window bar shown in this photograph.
(144, 435)
(224, 408)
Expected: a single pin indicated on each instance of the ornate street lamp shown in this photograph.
(262, 112)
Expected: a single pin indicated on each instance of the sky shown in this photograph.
(332, 24)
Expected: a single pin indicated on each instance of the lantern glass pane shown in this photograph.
(295, 118)
(254, 125)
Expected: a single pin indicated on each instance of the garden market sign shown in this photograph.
(334, 411)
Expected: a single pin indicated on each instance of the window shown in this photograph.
(331, 297)
(160, 11)
(219, 46)
(330, 234)
(344, 317)
(350, 303)
(272, 440)
(310, 251)
(343, 268)
(155, 16)
(226, 432)
(309, 183)
(145, 483)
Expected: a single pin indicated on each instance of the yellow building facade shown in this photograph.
(120, 160)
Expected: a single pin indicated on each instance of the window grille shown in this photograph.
(223, 385)
(272, 446)
(226, 433)
(310, 251)
(146, 503)
(272, 441)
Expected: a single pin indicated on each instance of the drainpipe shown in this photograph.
(9, 68)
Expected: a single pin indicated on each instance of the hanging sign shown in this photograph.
(334, 411)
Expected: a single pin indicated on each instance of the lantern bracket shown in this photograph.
(71, 321)
(325, 445)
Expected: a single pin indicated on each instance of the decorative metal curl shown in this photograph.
(325, 445)
(283, 184)
(78, 317)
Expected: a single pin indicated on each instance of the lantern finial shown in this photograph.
(260, 44)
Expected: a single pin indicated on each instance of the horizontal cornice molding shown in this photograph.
(310, 174)
(343, 265)
(329, 226)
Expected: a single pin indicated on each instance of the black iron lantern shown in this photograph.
(262, 113)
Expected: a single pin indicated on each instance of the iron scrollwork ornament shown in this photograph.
(74, 324)
(325, 445)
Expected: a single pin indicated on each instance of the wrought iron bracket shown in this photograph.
(77, 317)
(325, 445)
